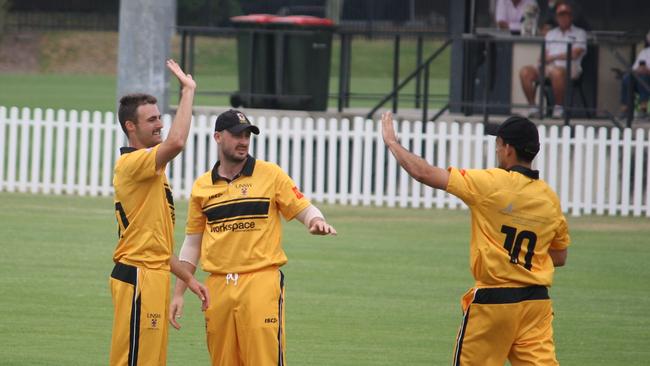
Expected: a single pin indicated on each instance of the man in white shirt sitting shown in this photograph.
(555, 59)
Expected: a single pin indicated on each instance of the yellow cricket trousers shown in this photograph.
(140, 299)
(245, 320)
(506, 323)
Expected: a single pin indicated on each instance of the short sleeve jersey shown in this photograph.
(556, 44)
(516, 219)
(144, 209)
(240, 219)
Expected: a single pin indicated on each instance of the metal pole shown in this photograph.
(418, 77)
(191, 56)
(140, 71)
(541, 80)
(412, 10)
(251, 65)
(348, 67)
(183, 57)
(183, 48)
(425, 103)
(629, 116)
(488, 66)
(568, 87)
(395, 71)
(342, 72)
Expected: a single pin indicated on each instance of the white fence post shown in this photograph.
(357, 174)
(601, 183)
(3, 144)
(638, 172)
(380, 165)
(589, 171)
(368, 143)
(12, 154)
(25, 124)
(578, 170)
(344, 162)
(442, 160)
(613, 171)
(307, 185)
(37, 127)
(82, 168)
(332, 160)
(320, 158)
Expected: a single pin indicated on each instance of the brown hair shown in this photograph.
(129, 107)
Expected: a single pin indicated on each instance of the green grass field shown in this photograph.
(385, 291)
(215, 70)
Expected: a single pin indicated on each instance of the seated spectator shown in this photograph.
(555, 61)
(641, 70)
(509, 14)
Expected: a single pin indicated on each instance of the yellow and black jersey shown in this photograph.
(144, 209)
(240, 219)
(516, 219)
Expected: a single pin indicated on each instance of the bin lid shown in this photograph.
(303, 20)
(253, 18)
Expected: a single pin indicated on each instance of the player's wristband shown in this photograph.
(305, 216)
(191, 249)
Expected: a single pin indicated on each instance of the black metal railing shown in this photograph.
(421, 73)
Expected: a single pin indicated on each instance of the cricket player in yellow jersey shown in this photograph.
(519, 235)
(144, 209)
(234, 226)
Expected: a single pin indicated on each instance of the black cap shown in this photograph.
(235, 122)
(520, 133)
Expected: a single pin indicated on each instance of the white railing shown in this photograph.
(594, 171)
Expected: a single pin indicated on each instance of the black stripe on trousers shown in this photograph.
(134, 332)
(125, 273)
(129, 274)
(280, 304)
(461, 335)
(510, 295)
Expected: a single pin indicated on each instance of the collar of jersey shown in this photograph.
(247, 170)
(127, 149)
(533, 174)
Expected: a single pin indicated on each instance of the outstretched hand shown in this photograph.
(319, 226)
(387, 130)
(201, 291)
(185, 79)
(176, 311)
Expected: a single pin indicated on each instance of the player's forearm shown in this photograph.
(558, 257)
(418, 168)
(180, 288)
(183, 270)
(180, 128)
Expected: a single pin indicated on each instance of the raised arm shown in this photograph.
(175, 141)
(417, 167)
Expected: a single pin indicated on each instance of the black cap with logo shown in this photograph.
(235, 122)
(520, 133)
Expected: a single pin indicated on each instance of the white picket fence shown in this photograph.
(595, 171)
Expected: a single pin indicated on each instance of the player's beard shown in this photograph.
(233, 157)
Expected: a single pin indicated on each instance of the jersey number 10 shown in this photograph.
(514, 242)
